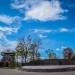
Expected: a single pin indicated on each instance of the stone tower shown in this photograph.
(8, 58)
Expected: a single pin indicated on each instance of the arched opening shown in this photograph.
(7, 64)
(9, 59)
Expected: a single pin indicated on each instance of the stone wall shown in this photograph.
(7, 61)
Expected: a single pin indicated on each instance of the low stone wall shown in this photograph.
(49, 70)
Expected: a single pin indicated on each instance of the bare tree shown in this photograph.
(17, 54)
(29, 48)
(67, 53)
(51, 54)
(73, 56)
(38, 45)
(24, 45)
(35, 46)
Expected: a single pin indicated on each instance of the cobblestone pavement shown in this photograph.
(18, 72)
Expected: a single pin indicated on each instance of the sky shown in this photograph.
(52, 21)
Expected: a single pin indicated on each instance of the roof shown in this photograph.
(8, 51)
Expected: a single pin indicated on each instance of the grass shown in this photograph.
(10, 67)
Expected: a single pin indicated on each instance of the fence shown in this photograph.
(51, 62)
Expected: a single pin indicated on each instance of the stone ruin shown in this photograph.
(8, 58)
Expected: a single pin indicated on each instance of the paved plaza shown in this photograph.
(18, 72)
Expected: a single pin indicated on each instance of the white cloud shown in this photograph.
(41, 31)
(4, 42)
(7, 44)
(62, 47)
(7, 19)
(64, 30)
(18, 4)
(9, 30)
(42, 10)
(41, 36)
(12, 25)
(11, 45)
(58, 49)
(2, 48)
(1, 34)
(53, 31)
(5, 29)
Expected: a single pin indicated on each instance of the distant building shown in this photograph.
(8, 58)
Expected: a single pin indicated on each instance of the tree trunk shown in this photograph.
(33, 56)
(17, 61)
(22, 60)
(25, 59)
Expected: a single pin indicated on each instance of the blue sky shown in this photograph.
(53, 21)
